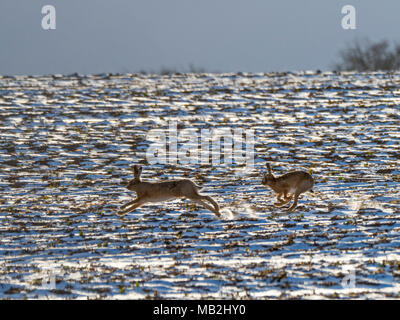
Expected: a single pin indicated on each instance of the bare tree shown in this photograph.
(367, 56)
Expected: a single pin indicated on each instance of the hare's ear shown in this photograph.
(268, 168)
(136, 171)
(139, 168)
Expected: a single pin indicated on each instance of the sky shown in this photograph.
(118, 36)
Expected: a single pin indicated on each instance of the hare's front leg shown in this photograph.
(129, 203)
(280, 202)
(136, 204)
(287, 197)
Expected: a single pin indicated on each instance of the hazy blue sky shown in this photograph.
(94, 36)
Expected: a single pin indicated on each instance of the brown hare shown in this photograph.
(166, 190)
(287, 185)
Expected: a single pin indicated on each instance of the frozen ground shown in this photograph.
(66, 150)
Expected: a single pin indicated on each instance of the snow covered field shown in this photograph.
(68, 144)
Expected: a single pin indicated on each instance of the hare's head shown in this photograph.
(132, 185)
(268, 178)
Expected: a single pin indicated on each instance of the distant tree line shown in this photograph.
(369, 56)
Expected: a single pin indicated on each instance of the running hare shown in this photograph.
(293, 183)
(166, 190)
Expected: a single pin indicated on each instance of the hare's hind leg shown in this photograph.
(213, 202)
(294, 204)
(205, 205)
(199, 199)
